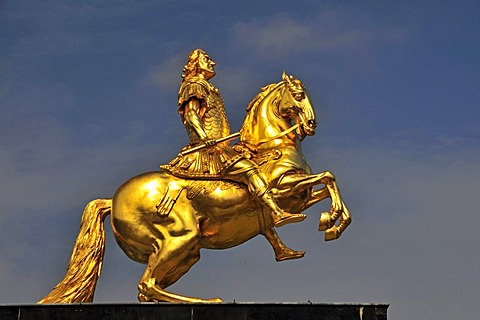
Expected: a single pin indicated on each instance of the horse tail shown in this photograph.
(83, 271)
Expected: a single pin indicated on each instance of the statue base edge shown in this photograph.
(188, 311)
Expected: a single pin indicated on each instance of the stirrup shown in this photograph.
(286, 218)
(288, 254)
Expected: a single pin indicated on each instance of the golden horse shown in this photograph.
(163, 221)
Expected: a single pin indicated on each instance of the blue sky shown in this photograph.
(88, 100)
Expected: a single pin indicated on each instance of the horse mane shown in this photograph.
(262, 94)
(246, 134)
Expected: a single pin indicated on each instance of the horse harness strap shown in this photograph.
(281, 134)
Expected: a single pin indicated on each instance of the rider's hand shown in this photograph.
(210, 142)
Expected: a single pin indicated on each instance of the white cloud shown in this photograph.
(332, 30)
(167, 75)
(238, 86)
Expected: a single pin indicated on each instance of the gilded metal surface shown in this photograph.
(215, 196)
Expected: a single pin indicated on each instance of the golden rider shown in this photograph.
(202, 111)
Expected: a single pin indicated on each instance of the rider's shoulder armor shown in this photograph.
(212, 111)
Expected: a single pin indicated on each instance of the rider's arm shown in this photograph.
(192, 117)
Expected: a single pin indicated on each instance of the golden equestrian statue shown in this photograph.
(211, 195)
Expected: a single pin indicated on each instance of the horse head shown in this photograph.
(271, 113)
(295, 105)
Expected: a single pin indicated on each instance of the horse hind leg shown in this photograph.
(168, 263)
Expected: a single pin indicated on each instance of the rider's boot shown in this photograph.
(258, 186)
(280, 217)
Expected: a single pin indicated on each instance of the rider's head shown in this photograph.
(199, 63)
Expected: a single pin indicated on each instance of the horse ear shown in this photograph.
(285, 77)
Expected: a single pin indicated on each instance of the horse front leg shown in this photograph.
(291, 184)
(316, 196)
(338, 211)
(335, 231)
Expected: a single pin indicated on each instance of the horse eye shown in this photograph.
(298, 96)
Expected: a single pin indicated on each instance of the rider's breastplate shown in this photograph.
(214, 119)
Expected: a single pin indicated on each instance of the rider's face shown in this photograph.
(206, 65)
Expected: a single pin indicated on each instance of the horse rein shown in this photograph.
(281, 134)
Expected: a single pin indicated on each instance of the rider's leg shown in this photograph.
(282, 252)
(280, 217)
(245, 171)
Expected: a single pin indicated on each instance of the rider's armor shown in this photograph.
(211, 162)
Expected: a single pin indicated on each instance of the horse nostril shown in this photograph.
(312, 123)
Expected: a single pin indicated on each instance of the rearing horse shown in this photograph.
(164, 221)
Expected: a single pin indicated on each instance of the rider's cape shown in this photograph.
(212, 162)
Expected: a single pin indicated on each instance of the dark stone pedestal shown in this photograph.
(224, 311)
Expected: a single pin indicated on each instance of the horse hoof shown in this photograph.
(287, 218)
(325, 221)
(143, 298)
(332, 234)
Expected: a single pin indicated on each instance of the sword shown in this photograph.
(200, 147)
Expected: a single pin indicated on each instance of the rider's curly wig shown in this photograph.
(192, 68)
